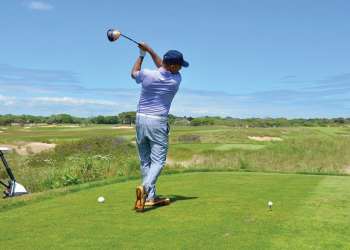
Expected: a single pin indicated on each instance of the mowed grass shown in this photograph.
(217, 210)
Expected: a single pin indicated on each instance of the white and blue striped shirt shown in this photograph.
(158, 90)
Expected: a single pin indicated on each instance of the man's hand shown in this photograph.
(156, 59)
(145, 47)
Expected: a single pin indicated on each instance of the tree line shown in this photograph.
(130, 117)
(122, 118)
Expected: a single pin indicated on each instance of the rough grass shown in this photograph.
(75, 162)
(92, 153)
(211, 211)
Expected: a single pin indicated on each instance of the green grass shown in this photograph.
(221, 210)
(213, 210)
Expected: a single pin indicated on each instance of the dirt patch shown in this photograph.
(123, 127)
(1, 132)
(264, 138)
(347, 169)
(25, 148)
(47, 126)
(195, 160)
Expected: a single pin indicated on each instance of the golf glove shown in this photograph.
(142, 53)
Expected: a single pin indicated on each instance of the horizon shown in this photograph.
(186, 116)
(247, 60)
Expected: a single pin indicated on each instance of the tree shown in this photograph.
(127, 117)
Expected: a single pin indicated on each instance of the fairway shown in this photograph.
(221, 210)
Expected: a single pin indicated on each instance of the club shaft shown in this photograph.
(7, 167)
(2, 183)
(130, 39)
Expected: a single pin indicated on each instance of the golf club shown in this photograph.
(13, 188)
(114, 35)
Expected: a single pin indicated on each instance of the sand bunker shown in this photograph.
(47, 126)
(265, 138)
(123, 127)
(347, 170)
(25, 148)
(195, 160)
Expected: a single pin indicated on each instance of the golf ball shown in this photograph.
(101, 199)
(269, 204)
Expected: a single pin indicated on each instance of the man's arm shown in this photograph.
(137, 66)
(156, 59)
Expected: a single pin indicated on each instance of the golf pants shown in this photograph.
(152, 142)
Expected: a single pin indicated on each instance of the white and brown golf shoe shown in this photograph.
(140, 199)
(158, 201)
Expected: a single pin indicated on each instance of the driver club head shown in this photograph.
(113, 35)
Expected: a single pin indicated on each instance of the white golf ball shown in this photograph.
(270, 203)
(101, 199)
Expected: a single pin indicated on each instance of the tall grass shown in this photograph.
(76, 162)
(304, 150)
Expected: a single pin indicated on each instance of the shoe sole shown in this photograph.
(158, 203)
(140, 199)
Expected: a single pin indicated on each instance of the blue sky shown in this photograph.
(247, 58)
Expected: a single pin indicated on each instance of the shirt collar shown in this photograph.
(165, 72)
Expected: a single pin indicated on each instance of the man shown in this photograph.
(158, 90)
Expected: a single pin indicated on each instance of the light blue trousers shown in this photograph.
(152, 142)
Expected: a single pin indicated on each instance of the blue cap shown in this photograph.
(175, 57)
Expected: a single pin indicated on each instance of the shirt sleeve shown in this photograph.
(139, 76)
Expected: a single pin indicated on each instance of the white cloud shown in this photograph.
(40, 6)
(7, 101)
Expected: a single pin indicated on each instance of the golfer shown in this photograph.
(159, 87)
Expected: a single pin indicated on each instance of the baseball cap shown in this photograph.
(175, 57)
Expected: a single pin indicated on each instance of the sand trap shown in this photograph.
(195, 160)
(48, 126)
(25, 148)
(347, 170)
(265, 138)
(123, 127)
